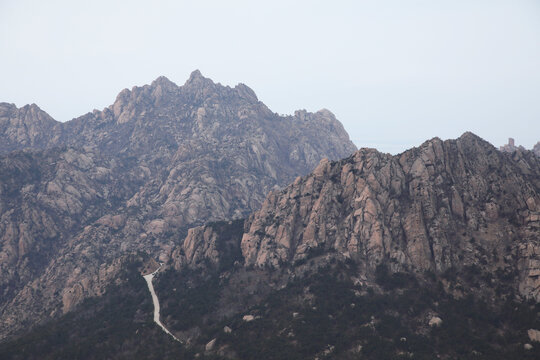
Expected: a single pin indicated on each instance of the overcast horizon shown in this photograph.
(394, 73)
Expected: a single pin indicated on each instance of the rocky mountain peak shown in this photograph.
(31, 107)
(26, 127)
(164, 82)
(471, 138)
(162, 86)
(129, 104)
(197, 80)
(32, 111)
(204, 89)
(326, 113)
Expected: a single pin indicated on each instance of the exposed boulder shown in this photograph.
(435, 321)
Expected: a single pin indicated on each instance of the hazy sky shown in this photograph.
(394, 72)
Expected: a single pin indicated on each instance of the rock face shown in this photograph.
(444, 205)
(534, 335)
(214, 246)
(134, 177)
(27, 127)
(49, 200)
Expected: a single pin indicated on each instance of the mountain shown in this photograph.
(77, 198)
(269, 236)
(432, 253)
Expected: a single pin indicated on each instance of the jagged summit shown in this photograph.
(195, 74)
(4, 107)
(197, 79)
(467, 140)
(437, 176)
(471, 137)
(169, 110)
(26, 127)
(163, 82)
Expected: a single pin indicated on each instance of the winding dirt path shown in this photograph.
(155, 300)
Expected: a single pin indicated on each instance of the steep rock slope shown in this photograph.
(442, 205)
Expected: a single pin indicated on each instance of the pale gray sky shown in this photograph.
(394, 72)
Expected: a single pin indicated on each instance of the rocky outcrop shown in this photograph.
(435, 321)
(536, 149)
(534, 335)
(26, 127)
(210, 246)
(446, 204)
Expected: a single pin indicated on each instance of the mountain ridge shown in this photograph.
(160, 159)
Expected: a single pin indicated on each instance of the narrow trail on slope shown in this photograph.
(155, 300)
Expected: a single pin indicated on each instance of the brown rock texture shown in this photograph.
(27, 127)
(443, 205)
